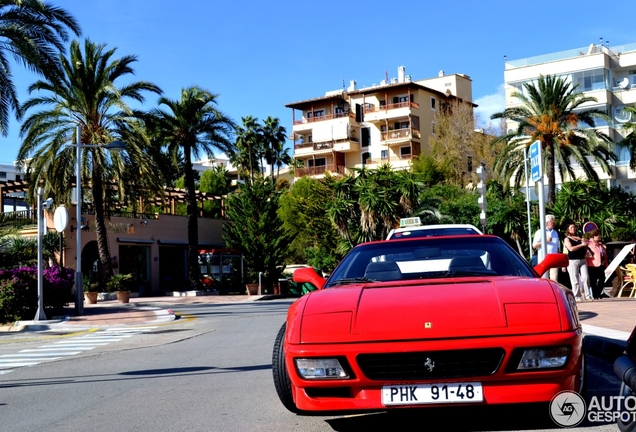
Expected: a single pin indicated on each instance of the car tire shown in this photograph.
(582, 376)
(282, 383)
(628, 426)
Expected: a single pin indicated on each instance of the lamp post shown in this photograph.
(40, 315)
(79, 278)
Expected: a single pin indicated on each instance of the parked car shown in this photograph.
(412, 227)
(429, 321)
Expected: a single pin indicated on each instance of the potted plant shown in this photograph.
(120, 283)
(90, 290)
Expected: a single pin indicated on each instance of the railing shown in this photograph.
(19, 218)
(324, 145)
(400, 134)
(391, 106)
(305, 120)
(319, 170)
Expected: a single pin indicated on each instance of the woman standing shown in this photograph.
(579, 277)
(596, 264)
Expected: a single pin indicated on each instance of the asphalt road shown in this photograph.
(209, 371)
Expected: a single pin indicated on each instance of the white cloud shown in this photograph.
(489, 105)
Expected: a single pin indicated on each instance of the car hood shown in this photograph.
(458, 308)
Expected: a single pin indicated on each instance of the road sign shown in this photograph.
(535, 161)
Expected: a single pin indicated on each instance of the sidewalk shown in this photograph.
(140, 311)
(606, 323)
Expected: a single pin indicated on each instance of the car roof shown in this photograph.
(440, 227)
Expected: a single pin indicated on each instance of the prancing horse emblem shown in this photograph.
(429, 364)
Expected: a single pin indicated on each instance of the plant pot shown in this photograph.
(123, 296)
(252, 289)
(91, 297)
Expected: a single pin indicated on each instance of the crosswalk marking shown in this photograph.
(67, 348)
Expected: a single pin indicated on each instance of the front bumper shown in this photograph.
(501, 387)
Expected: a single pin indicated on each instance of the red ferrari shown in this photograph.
(430, 321)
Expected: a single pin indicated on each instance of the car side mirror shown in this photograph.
(309, 275)
(555, 260)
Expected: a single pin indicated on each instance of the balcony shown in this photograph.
(345, 145)
(306, 120)
(319, 170)
(374, 113)
(398, 136)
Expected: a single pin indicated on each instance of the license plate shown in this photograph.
(432, 393)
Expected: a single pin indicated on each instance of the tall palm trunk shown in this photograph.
(551, 174)
(100, 226)
(193, 225)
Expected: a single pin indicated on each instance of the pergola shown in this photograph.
(172, 196)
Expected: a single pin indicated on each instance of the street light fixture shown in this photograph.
(79, 278)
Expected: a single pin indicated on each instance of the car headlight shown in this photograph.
(320, 368)
(543, 358)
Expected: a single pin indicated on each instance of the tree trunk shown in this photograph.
(100, 228)
(551, 175)
(193, 223)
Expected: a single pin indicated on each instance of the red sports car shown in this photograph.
(431, 321)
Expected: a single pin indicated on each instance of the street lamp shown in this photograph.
(40, 315)
(79, 279)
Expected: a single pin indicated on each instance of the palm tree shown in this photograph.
(86, 95)
(249, 146)
(188, 127)
(629, 141)
(552, 113)
(31, 32)
(368, 204)
(275, 137)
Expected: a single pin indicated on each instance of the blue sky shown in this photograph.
(259, 56)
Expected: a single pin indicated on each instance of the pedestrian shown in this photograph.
(577, 250)
(597, 262)
(552, 243)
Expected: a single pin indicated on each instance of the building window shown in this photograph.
(17, 177)
(366, 158)
(3, 174)
(405, 152)
(589, 80)
(384, 154)
(317, 113)
(433, 103)
(317, 162)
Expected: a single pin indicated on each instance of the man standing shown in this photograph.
(552, 243)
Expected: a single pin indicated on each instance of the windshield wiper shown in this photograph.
(452, 273)
(348, 281)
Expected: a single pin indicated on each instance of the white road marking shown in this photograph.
(69, 347)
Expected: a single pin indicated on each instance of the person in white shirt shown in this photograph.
(552, 243)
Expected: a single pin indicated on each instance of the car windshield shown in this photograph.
(427, 258)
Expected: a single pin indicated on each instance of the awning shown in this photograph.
(132, 240)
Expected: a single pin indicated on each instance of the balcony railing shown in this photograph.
(305, 120)
(19, 218)
(373, 108)
(400, 134)
(319, 170)
(324, 145)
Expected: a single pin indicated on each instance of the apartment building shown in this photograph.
(606, 73)
(386, 123)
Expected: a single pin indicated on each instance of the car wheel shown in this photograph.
(630, 424)
(582, 381)
(281, 377)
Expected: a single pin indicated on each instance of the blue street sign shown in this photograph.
(535, 164)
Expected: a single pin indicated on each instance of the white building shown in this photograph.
(12, 201)
(604, 72)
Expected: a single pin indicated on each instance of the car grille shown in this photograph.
(431, 364)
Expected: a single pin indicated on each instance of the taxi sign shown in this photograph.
(412, 221)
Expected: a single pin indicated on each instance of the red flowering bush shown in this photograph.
(19, 291)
